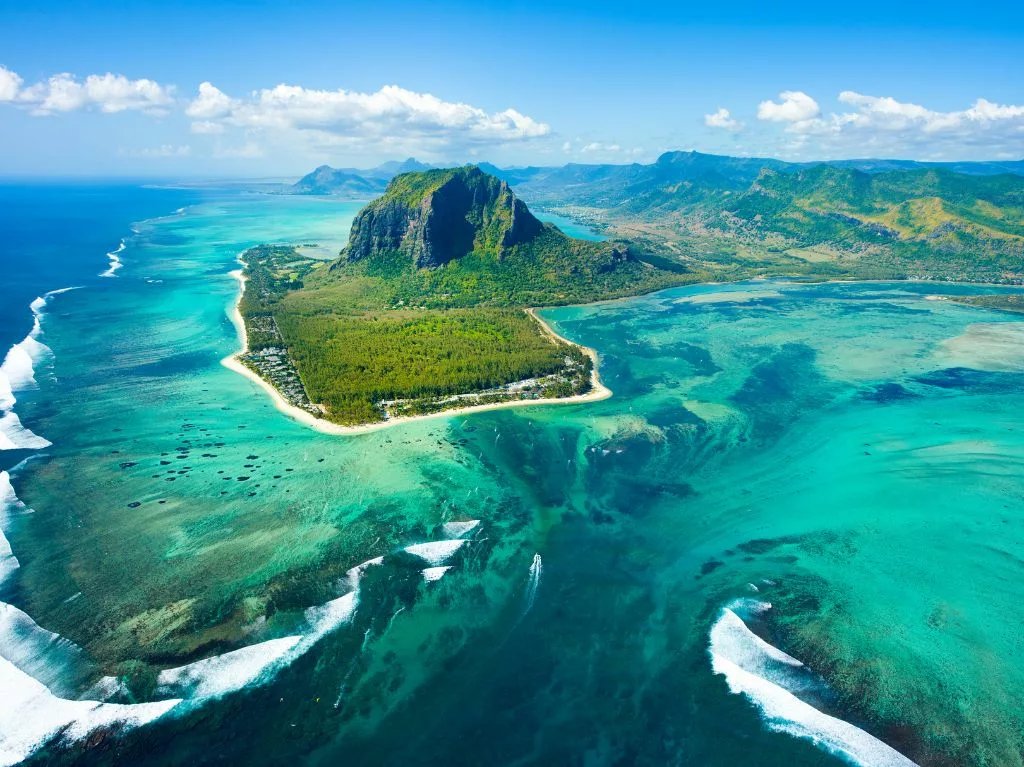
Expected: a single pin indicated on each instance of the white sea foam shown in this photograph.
(7, 398)
(14, 436)
(17, 372)
(49, 658)
(106, 688)
(768, 677)
(432, 574)
(31, 715)
(325, 618)
(357, 572)
(459, 529)
(222, 674)
(435, 552)
(8, 562)
(9, 504)
(115, 261)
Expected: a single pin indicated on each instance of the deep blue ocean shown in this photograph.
(54, 236)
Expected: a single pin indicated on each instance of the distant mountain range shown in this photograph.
(957, 221)
(354, 182)
(611, 184)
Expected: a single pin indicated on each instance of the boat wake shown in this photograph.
(778, 683)
(536, 570)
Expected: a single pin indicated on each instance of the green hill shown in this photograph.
(737, 217)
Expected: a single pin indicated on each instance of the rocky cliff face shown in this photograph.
(437, 216)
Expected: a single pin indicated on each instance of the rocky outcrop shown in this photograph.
(436, 216)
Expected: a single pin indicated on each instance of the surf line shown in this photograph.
(18, 373)
(769, 678)
(115, 260)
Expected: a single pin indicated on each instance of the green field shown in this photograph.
(353, 353)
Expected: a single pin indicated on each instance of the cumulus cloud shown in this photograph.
(211, 103)
(109, 93)
(10, 84)
(724, 120)
(64, 92)
(793, 106)
(391, 116)
(886, 126)
(888, 113)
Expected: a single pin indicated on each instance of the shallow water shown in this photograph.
(851, 454)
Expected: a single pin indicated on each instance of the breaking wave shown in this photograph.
(31, 715)
(115, 261)
(14, 436)
(9, 504)
(772, 681)
(18, 373)
(431, 574)
(222, 674)
(436, 552)
(40, 671)
(459, 529)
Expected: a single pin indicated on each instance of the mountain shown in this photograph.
(424, 308)
(461, 237)
(389, 170)
(353, 182)
(861, 218)
(930, 216)
(678, 178)
(334, 181)
(440, 215)
(694, 173)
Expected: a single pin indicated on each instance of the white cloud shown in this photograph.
(248, 150)
(166, 150)
(724, 120)
(882, 126)
(597, 146)
(795, 106)
(392, 116)
(10, 84)
(211, 103)
(64, 92)
(207, 127)
(887, 113)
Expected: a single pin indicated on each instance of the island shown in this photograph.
(430, 307)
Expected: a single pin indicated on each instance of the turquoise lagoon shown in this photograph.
(792, 536)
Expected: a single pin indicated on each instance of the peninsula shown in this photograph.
(427, 309)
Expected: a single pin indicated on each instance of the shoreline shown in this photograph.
(598, 390)
(597, 393)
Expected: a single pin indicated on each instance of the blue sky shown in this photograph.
(105, 88)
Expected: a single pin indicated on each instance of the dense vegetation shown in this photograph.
(725, 218)
(352, 364)
(1006, 302)
(424, 308)
(740, 217)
